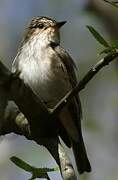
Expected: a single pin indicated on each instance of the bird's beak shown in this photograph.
(60, 24)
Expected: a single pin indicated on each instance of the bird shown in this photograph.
(47, 68)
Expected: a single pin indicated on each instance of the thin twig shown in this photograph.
(81, 85)
(114, 3)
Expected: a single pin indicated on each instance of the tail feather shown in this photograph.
(82, 162)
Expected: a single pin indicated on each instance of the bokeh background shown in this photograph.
(99, 98)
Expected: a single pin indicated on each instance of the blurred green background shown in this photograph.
(99, 98)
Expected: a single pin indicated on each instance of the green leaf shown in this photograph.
(20, 163)
(98, 37)
(106, 51)
(112, 49)
(36, 172)
(115, 44)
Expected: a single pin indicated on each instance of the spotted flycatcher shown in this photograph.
(50, 72)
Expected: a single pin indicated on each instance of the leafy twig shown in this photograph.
(36, 172)
(81, 85)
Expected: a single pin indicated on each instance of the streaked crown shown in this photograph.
(42, 22)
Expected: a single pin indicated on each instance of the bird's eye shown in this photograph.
(40, 26)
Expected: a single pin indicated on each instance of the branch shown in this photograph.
(81, 85)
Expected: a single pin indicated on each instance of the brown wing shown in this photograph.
(75, 106)
(71, 117)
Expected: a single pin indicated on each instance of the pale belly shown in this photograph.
(48, 85)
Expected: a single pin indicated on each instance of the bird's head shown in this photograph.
(46, 29)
